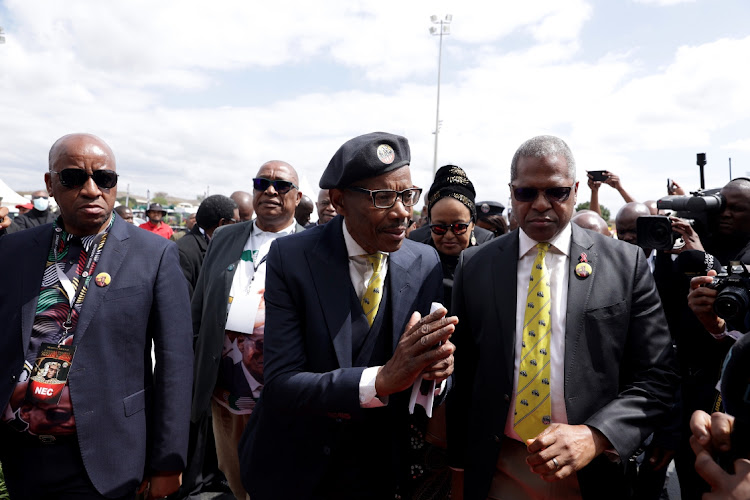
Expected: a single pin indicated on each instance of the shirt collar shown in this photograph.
(285, 232)
(352, 247)
(561, 242)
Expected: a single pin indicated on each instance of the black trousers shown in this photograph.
(45, 471)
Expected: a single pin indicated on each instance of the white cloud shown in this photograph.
(663, 3)
(142, 76)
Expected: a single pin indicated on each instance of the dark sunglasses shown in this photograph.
(77, 177)
(386, 198)
(57, 415)
(553, 194)
(456, 227)
(281, 187)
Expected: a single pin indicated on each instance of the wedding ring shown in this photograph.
(424, 340)
(557, 464)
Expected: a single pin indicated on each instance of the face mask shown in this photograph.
(41, 204)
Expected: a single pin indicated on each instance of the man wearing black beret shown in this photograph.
(348, 306)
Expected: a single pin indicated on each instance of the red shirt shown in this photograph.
(162, 229)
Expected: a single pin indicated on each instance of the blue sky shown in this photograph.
(191, 94)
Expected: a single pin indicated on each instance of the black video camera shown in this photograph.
(733, 300)
(700, 208)
(655, 231)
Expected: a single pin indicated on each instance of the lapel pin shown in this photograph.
(103, 279)
(583, 268)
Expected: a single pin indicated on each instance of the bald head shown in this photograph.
(326, 210)
(735, 217)
(85, 202)
(625, 222)
(73, 142)
(588, 219)
(244, 201)
(275, 202)
(304, 210)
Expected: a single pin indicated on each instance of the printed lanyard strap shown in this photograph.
(65, 281)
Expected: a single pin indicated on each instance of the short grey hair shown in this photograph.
(540, 147)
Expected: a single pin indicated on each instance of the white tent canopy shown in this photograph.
(9, 197)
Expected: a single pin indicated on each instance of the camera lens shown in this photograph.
(732, 302)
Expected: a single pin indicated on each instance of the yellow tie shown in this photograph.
(533, 408)
(371, 298)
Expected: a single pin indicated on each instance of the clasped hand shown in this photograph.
(418, 353)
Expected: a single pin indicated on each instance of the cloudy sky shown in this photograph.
(196, 95)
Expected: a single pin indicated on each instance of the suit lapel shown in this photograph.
(329, 266)
(505, 269)
(403, 269)
(114, 252)
(579, 290)
(32, 282)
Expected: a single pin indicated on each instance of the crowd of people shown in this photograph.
(472, 352)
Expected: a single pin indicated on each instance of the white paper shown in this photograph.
(425, 400)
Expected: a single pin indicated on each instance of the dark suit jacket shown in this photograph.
(619, 362)
(312, 384)
(192, 249)
(128, 421)
(209, 308)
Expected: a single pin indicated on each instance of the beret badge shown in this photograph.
(386, 154)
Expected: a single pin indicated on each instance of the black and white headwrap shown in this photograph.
(451, 181)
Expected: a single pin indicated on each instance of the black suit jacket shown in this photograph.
(192, 249)
(311, 396)
(128, 420)
(209, 309)
(619, 362)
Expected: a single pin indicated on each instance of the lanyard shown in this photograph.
(65, 281)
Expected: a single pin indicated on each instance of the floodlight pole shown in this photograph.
(443, 29)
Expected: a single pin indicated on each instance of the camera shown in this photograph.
(655, 231)
(733, 300)
(701, 207)
(598, 175)
(707, 200)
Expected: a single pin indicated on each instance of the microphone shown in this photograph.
(696, 263)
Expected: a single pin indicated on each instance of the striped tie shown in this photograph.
(533, 408)
(371, 297)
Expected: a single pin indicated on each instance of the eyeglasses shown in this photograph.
(77, 177)
(456, 227)
(386, 198)
(553, 194)
(281, 187)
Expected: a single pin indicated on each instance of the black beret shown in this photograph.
(363, 157)
(489, 208)
(451, 182)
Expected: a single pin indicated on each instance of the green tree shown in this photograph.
(160, 197)
(585, 206)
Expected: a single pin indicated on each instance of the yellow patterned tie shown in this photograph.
(533, 408)
(371, 297)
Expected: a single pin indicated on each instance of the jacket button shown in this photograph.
(326, 450)
(13, 377)
(496, 439)
(506, 398)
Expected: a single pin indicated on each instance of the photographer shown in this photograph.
(672, 437)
